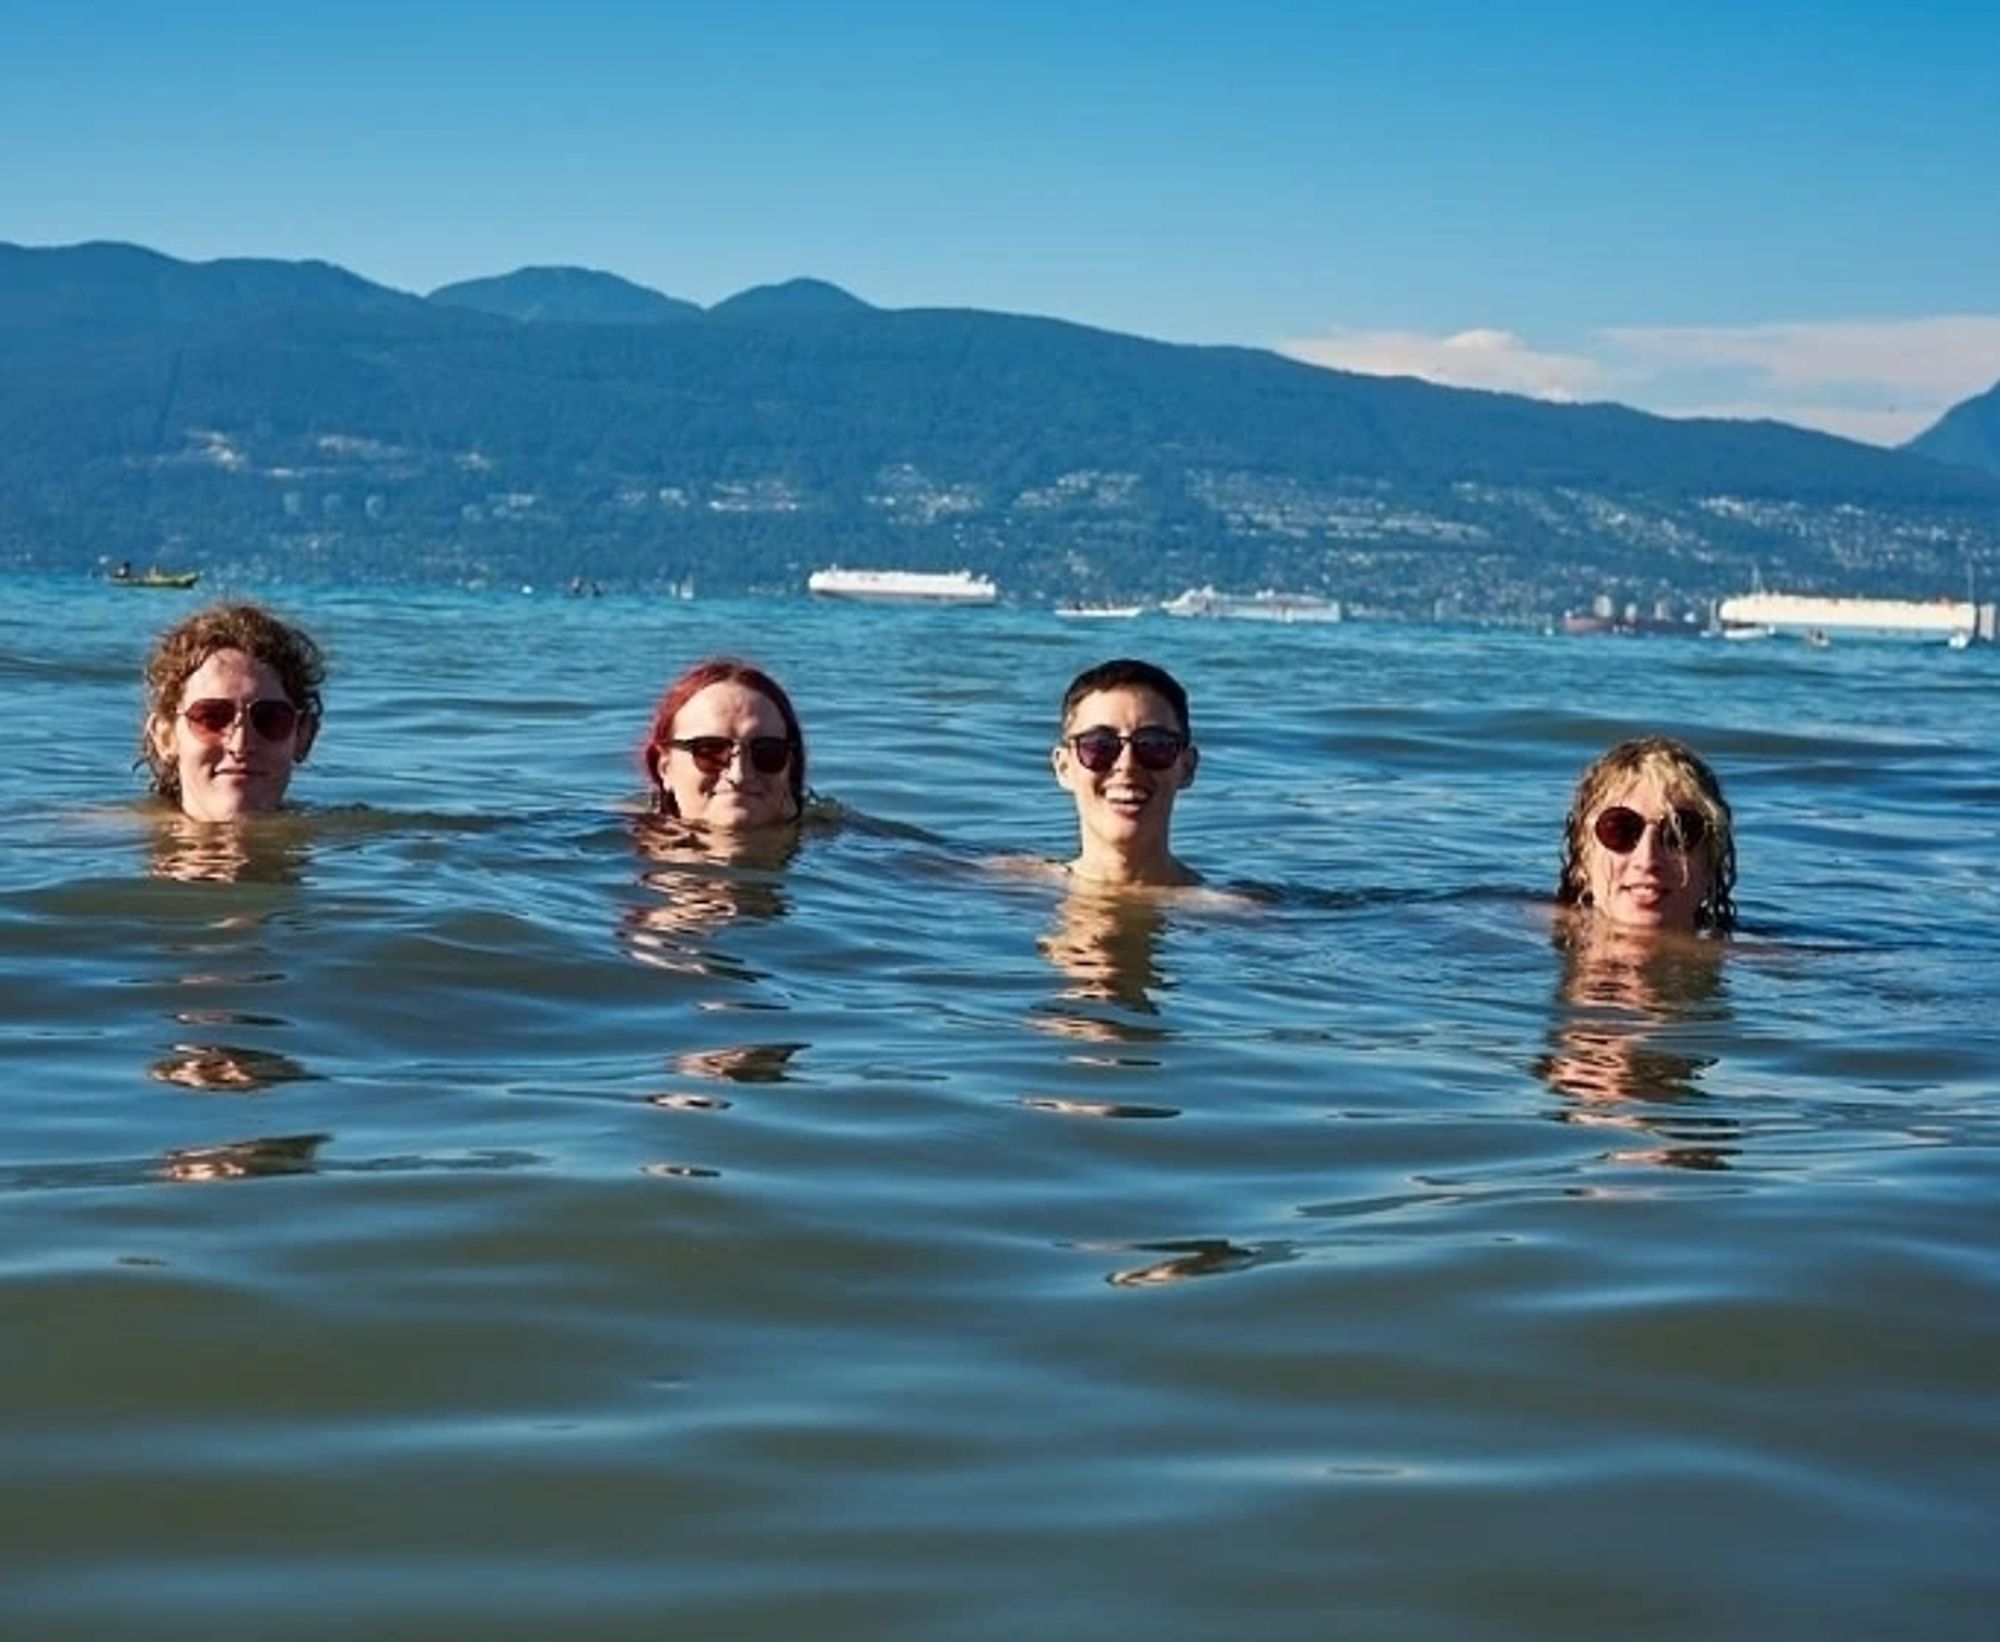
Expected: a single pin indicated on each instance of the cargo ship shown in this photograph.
(1956, 622)
(903, 586)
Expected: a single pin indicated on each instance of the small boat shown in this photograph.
(1098, 612)
(125, 576)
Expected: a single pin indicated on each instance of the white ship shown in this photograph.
(1266, 605)
(1926, 621)
(903, 586)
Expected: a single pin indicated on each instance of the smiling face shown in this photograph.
(1663, 880)
(1124, 812)
(733, 795)
(237, 772)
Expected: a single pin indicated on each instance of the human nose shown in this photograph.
(1652, 846)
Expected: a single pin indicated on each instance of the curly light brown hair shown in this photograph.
(1688, 783)
(180, 652)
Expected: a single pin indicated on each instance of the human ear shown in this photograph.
(160, 732)
(1193, 756)
(304, 737)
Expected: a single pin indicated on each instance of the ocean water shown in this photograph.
(437, 1215)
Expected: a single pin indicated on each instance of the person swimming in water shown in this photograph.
(725, 752)
(232, 706)
(1649, 844)
(1124, 753)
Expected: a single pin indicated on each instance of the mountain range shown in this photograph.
(294, 420)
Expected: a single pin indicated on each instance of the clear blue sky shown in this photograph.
(1589, 190)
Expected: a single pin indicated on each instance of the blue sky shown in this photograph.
(1779, 209)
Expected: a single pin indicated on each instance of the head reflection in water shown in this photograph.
(244, 1159)
(1106, 946)
(1624, 1002)
(695, 883)
(220, 1068)
(1197, 1257)
(274, 852)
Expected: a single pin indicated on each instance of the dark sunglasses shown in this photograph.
(214, 717)
(1619, 829)
(1098, 750)
(712, 754)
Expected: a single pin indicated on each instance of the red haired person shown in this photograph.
(725, 753)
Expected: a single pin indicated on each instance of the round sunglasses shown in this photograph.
(1620, 828)
(1098, 750)
(214, 717)
(712, 754)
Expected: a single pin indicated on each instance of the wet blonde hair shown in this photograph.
(1688, 783)
(182, 649)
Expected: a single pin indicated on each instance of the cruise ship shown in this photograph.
(1262, 606)
(903, 586)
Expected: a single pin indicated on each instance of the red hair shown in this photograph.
(719, 670)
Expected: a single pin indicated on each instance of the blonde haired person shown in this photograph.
(1649, 843)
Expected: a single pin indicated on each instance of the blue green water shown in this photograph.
(436, 1217)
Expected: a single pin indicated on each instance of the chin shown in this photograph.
(1662, 919)
(228, 804)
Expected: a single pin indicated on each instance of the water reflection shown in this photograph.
(1106, 945)
(267, 851)
(244, 1159)
(740, 1063)
(1613, 1052)
(226, 1068)
(1197, 1257)
(698, 882)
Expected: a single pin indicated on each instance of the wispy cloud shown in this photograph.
(1881, 381)
(1469, 359)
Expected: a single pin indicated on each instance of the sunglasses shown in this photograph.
(1620, 828)
(712, 754)
(1098, 750)
(214, 717)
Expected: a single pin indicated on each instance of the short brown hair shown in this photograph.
(1127, 673)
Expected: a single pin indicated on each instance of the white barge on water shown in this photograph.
(1931, 621)
(903, 586)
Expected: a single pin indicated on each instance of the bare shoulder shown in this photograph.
(1025, 866)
